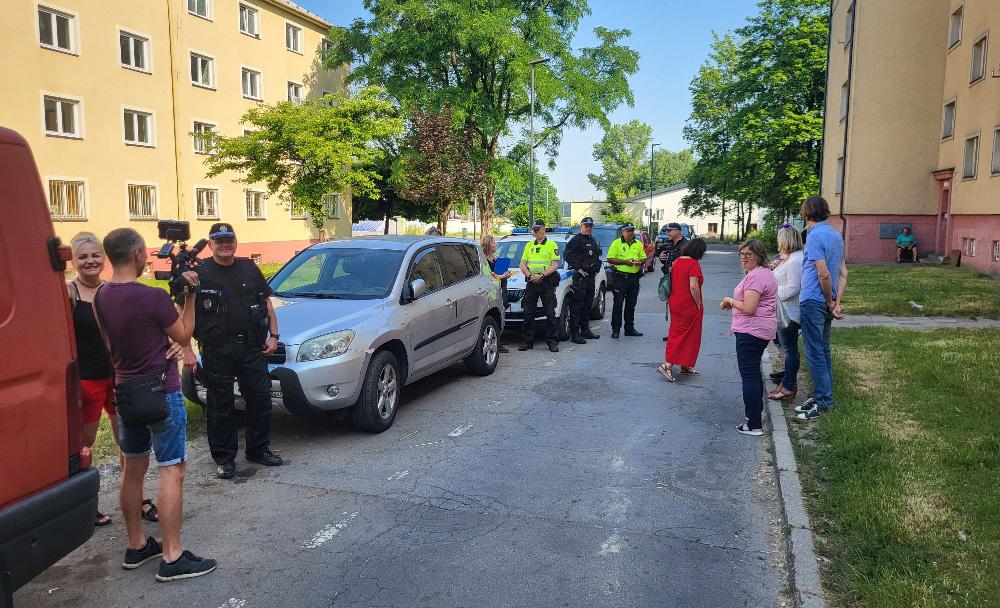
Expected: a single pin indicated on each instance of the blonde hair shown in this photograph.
(85, 237)
(489, 245)
(789, 240)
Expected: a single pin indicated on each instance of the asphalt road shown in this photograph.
(572, 479)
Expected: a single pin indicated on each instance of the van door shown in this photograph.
(463, 276)
(431, 318)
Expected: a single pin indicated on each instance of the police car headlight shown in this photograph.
(324, 347)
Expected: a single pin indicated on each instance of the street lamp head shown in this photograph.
(537, 61)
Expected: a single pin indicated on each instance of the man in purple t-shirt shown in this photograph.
(137, 321)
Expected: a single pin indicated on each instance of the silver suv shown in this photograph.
(361, 318)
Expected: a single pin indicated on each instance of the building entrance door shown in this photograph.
(943, 224)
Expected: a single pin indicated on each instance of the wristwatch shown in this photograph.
(275, 336)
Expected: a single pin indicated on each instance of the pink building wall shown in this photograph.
(864, 246)
(986, 230)
(270, 252)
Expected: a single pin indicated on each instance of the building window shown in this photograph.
(326, 47)
(134, 51)
(56, 30)
(845, 98)
(206, 203)
(849, 24)
(979, 52)
(840, 176)
(969, 247)
(713, 228)
(251, 84)
(249, 21)
(331, 203)
(948, 126)
(298, 211)
(971, 165)
(141, 202)
(66, 199)
(996, 251)
(138, 127)
(294, 91)
(293, 38)
(204, 137)
(62, 116)
(199, 8)
(202, 70)
(255, 204)
(753, 227)
(955, 27)
(995, 169)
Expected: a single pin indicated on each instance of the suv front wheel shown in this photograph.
(376, 407)
(483, 360)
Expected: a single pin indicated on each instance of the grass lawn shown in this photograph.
(942, 290)
(903, 479)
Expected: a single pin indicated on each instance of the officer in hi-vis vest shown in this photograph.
(540, 266)
(626, 257)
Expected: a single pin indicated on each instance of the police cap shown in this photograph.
(587, 221)
(221, 230)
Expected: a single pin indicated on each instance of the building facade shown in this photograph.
(912, 134)
(120, 101)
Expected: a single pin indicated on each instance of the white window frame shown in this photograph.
(156, 201)
(256, 19)
(260, 82)
(82, 217)
(996, 251)
(192, 53)
(208, 16)
(150, 126)
(297, 216)
(955, 38)
(301, 88)
(299, 38)
(77, 115)
(849, 23)
(985, 41)
(194, 135)
(147, 49)
(335, 214)
(263, 204)
(841, 174)
(74, 28)
(965, 156)
(325, 46)
(947, 135)
(969, 247)
(995, 164)
(845, 99)
(218, 201)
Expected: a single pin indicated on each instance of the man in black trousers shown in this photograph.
(583, 254)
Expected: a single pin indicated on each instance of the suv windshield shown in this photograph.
(355, 274)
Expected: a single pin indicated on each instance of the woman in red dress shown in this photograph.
(686, 311)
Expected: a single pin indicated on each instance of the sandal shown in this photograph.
(102, 520)
(689, 371)
(666, 371)
(150, 514)
(780, 394)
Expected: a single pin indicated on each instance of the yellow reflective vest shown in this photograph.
(539, 256)
(620, 250)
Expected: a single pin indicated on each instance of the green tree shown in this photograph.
(305, 150)
(511, 190)
(387, 203)
(519, 215)
(473, 56)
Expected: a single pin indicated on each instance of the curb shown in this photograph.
(807, 587)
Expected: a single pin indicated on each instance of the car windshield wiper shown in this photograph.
(308, 294)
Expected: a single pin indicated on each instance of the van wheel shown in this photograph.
(600, 303)
(376, 407)
(483, 360)
(564, 333)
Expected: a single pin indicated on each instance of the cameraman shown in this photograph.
(236, 328)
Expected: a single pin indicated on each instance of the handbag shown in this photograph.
(665, 287)
(782, 315)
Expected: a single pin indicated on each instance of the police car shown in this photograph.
(511, 247)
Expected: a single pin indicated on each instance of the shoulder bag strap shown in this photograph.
(74, 294)
(97, 317)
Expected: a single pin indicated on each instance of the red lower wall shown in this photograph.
(270, 252)
(986, 230)
(864, 245)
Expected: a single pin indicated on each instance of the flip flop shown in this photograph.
(151, 514)
(102, 520)
(666, 372)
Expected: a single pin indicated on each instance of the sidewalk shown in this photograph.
(915, 322)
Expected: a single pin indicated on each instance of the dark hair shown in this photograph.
(815, 208)
(120, 244)
(757, 249)
(695, 248)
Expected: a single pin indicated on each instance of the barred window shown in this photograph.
(298, 211)
(204, 137)
(331, 203)
(206, 203)
(141, 202)
(66, 200)
(255, 204)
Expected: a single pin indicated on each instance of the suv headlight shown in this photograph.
(326, 346)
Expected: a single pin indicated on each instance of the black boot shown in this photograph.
(577, 339)
(589, 335)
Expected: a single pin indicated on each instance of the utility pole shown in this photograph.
(652, 173)
(531, 173)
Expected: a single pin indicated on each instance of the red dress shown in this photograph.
(684, 339)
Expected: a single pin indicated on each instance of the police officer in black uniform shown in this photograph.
(583, 254)
(236, 329)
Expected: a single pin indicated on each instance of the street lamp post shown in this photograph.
(652, 169)
(531, 173)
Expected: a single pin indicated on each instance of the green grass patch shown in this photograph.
(105, 448)
(903, 479)
(941, 290)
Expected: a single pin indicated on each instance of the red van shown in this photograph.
(48, 496)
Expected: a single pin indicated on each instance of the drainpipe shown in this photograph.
(826, 98)
(847, 118)
(174, 103)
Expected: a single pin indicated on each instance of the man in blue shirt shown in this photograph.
(824, 279)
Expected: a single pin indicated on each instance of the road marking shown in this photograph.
(397, 476)
(612, 545)
(327, 533)
(550, 363)
(420, 445)
(618, 462)
(457, 432)
(234, 603)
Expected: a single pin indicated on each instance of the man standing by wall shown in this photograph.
(583, 254)
(671, 250)
(627, 256)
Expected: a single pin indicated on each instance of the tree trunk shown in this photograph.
(749, 218)
(443, 219)
(487, 207)
(386, 209)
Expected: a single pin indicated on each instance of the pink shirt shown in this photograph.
(762, 324)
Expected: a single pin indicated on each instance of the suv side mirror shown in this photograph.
(417, 289)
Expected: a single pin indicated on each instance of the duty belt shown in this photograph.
(240, 338)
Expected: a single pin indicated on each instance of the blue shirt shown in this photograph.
(823, 243)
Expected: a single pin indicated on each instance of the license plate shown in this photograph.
(276, 394)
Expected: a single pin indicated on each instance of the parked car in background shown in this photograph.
(361, 318)
(48, 492)
(647, 246)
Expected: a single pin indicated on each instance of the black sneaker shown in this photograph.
(578, 340)
(589, 335)
(633, 333)
(525, 347)
(615, 334)
(806, 405)
(266, 458)
(188, 565)
(226, 470)
(813, 412)
(137, 557)
(553, 348)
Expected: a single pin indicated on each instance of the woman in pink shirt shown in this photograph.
(754, 323)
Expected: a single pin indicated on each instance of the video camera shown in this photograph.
(173, 231)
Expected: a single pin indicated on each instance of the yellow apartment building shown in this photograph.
(912, 133)
(120, 99)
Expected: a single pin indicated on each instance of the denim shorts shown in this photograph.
(167, 437)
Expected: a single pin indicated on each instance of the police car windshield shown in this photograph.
(513, 249)
(605, 235)
(349, 274)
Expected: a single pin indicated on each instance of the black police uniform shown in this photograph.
(583, 252)
(673, 252)
(231, 326)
